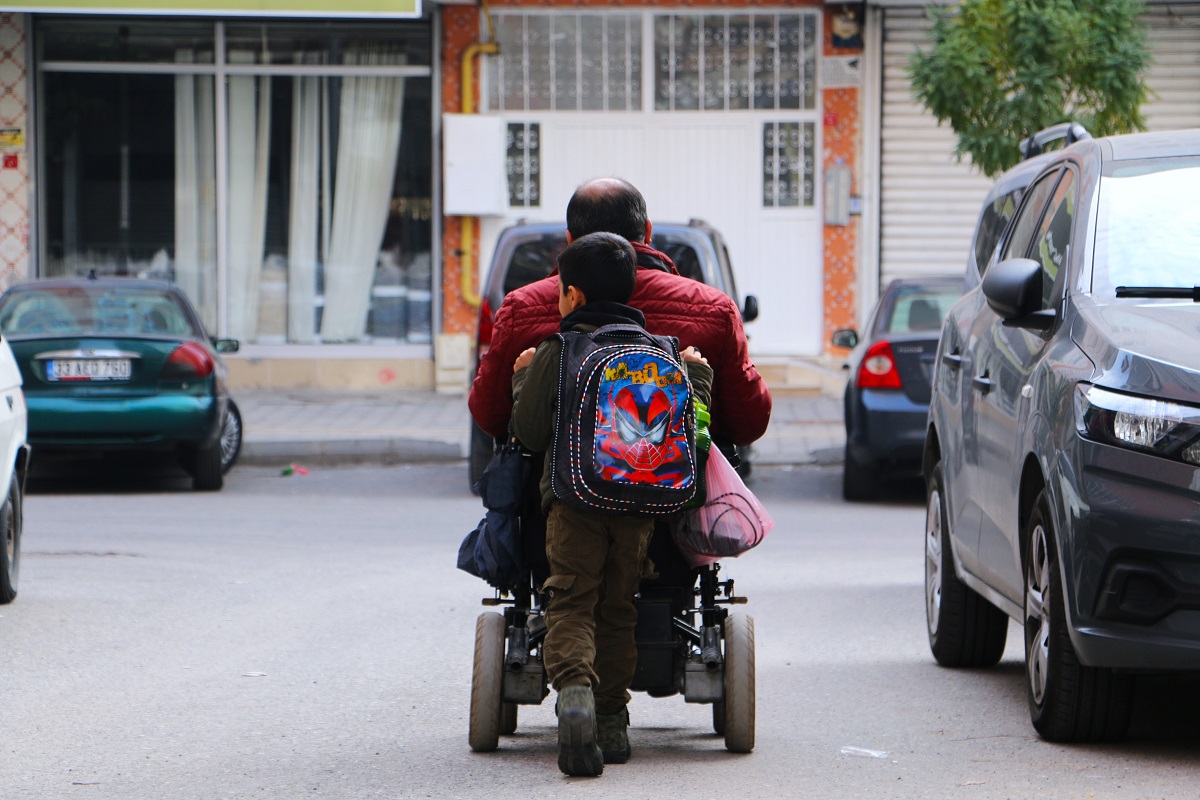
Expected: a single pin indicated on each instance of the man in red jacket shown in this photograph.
(699, 315)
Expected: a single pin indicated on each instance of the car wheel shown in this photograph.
(231, 436)
(480, 455)
(739, 683)
(10, 530)
(487, 683)
(964, 629)
(859, 481)
(1068, 702)
(204, 463)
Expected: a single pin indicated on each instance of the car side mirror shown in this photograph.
(227, 345)
(845, 337)
(750, 309)
(1013, 289)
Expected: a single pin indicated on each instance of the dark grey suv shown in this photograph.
(528, 251)
(1062, 459)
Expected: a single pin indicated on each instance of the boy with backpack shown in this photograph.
(612, 409)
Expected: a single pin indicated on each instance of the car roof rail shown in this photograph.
(1035, 145)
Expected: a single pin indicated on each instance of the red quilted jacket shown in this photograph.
(693, 312)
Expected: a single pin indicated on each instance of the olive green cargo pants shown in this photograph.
(595, 565)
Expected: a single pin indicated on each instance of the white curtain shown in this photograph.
(196, 191)
(249, 139)
(303, 222)
(368, 146)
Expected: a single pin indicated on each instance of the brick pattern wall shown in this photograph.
(840, 137)
(14, 161)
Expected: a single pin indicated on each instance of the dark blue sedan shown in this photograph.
(887, 392)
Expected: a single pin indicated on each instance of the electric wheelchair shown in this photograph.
(688, 643)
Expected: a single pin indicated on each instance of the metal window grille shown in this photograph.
(789, 164)
(566, 62)
(729, 62)
(523, 165)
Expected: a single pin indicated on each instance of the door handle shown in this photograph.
(952, 360)
(982, 383)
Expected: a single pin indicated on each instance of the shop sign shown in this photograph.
(255, 8)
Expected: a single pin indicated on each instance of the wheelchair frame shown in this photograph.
(712, 663)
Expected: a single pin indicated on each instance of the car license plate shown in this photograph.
(88, 369)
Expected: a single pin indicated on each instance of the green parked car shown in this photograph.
(118, 364)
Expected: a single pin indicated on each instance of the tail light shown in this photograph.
(484, 337)
(878, 368)
(189, 360)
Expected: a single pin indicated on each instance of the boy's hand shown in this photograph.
(525, 358)
(692, 354)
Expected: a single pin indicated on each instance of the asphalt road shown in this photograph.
(308, 636)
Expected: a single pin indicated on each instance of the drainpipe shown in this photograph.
(467, 106)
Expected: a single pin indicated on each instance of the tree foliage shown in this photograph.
(1000, 70)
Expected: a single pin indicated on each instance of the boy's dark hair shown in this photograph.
(601, 265)
(611, 205)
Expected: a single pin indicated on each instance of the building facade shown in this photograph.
(328, 185)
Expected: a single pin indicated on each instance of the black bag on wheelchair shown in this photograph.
(493, 551)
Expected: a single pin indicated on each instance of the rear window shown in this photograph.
(921, 308)
(535, 259)
(85, 311)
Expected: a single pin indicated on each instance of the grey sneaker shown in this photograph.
(612, 732)
(578, 754)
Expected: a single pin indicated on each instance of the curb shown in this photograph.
(341, 452)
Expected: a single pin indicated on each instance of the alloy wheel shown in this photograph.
(1037, 614)
(231, 437)
(933, 560)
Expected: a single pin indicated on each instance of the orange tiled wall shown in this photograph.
(840, 133)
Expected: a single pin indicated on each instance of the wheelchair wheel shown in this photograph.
(487, 683)
(739, 684)
(508, 719)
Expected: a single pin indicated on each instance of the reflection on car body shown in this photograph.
(1064, 435)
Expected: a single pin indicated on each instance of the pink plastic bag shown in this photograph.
(731, 521)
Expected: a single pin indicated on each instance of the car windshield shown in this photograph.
(91, 311)
(920, 308)
(1148, 232)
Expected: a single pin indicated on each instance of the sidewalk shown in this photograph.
(312, 428)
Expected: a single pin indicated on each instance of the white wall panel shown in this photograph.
(691, 167)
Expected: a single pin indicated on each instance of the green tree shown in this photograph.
(1000, 70)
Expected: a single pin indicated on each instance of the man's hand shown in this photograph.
(524, 359)
(691, 354)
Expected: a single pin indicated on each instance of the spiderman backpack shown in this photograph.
(626, 435)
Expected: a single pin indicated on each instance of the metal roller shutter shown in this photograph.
(928, 201)
(1174, 35)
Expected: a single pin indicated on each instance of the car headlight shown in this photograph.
(1161, 427)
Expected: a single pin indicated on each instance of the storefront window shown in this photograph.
(142, 41)
(327, 191)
